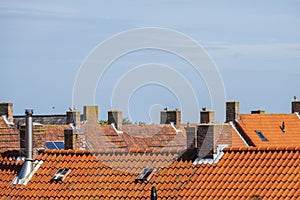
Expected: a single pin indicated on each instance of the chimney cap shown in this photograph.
(259, 111)
(28, 111)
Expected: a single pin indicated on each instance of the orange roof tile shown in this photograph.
(237, 141)
(112, 175)
(269, 125)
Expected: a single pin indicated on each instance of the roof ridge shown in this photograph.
(112, 151)
(41, 115)
(262, 148)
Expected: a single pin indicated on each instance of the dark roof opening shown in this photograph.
(261, 136)
(60, 175)
(144, 175)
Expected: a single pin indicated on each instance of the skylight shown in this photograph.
(60, 145)
(261, 136)
(144, 174)
(55, 145)
(60, 174)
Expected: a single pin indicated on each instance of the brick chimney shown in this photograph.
(296, 106)
(115, 117)
(191, 133)
(7, 110)
(73, 117)
(210, 136)
(74, 139)
(206, 116)
(168, 116)
(90, 114)
(232, 111)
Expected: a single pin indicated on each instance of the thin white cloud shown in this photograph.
(257, 51)
(35, 9)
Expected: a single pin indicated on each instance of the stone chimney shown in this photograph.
(168, 116)
(74, 139)
(115, 117)
(73, 117)
(7, 110)
(38, 137)
(232, 111)
(206, 116)
(90, 114)
(296, 106)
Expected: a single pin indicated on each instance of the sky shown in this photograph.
(255, 46)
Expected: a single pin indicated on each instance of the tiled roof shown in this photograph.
(237, 140)
(270, 173)
(42, 119)
(55, 132)
(242, 173)
(269, 125)
(96, 175)
(9, 136)
(144, 137)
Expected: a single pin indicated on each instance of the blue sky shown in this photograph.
(255, 45)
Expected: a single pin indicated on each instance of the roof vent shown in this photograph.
(60, 174)
(27, 167)
(258, 112)
(153, 195)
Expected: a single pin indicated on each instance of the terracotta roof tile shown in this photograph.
(271, 126)
(240, 173)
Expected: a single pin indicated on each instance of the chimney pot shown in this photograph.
(206, 116)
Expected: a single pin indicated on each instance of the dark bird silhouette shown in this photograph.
(282, 127)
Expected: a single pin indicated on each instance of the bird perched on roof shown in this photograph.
(295, 98)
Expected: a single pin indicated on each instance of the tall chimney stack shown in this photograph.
(27, 166)
(232, 111)
(90, 114)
